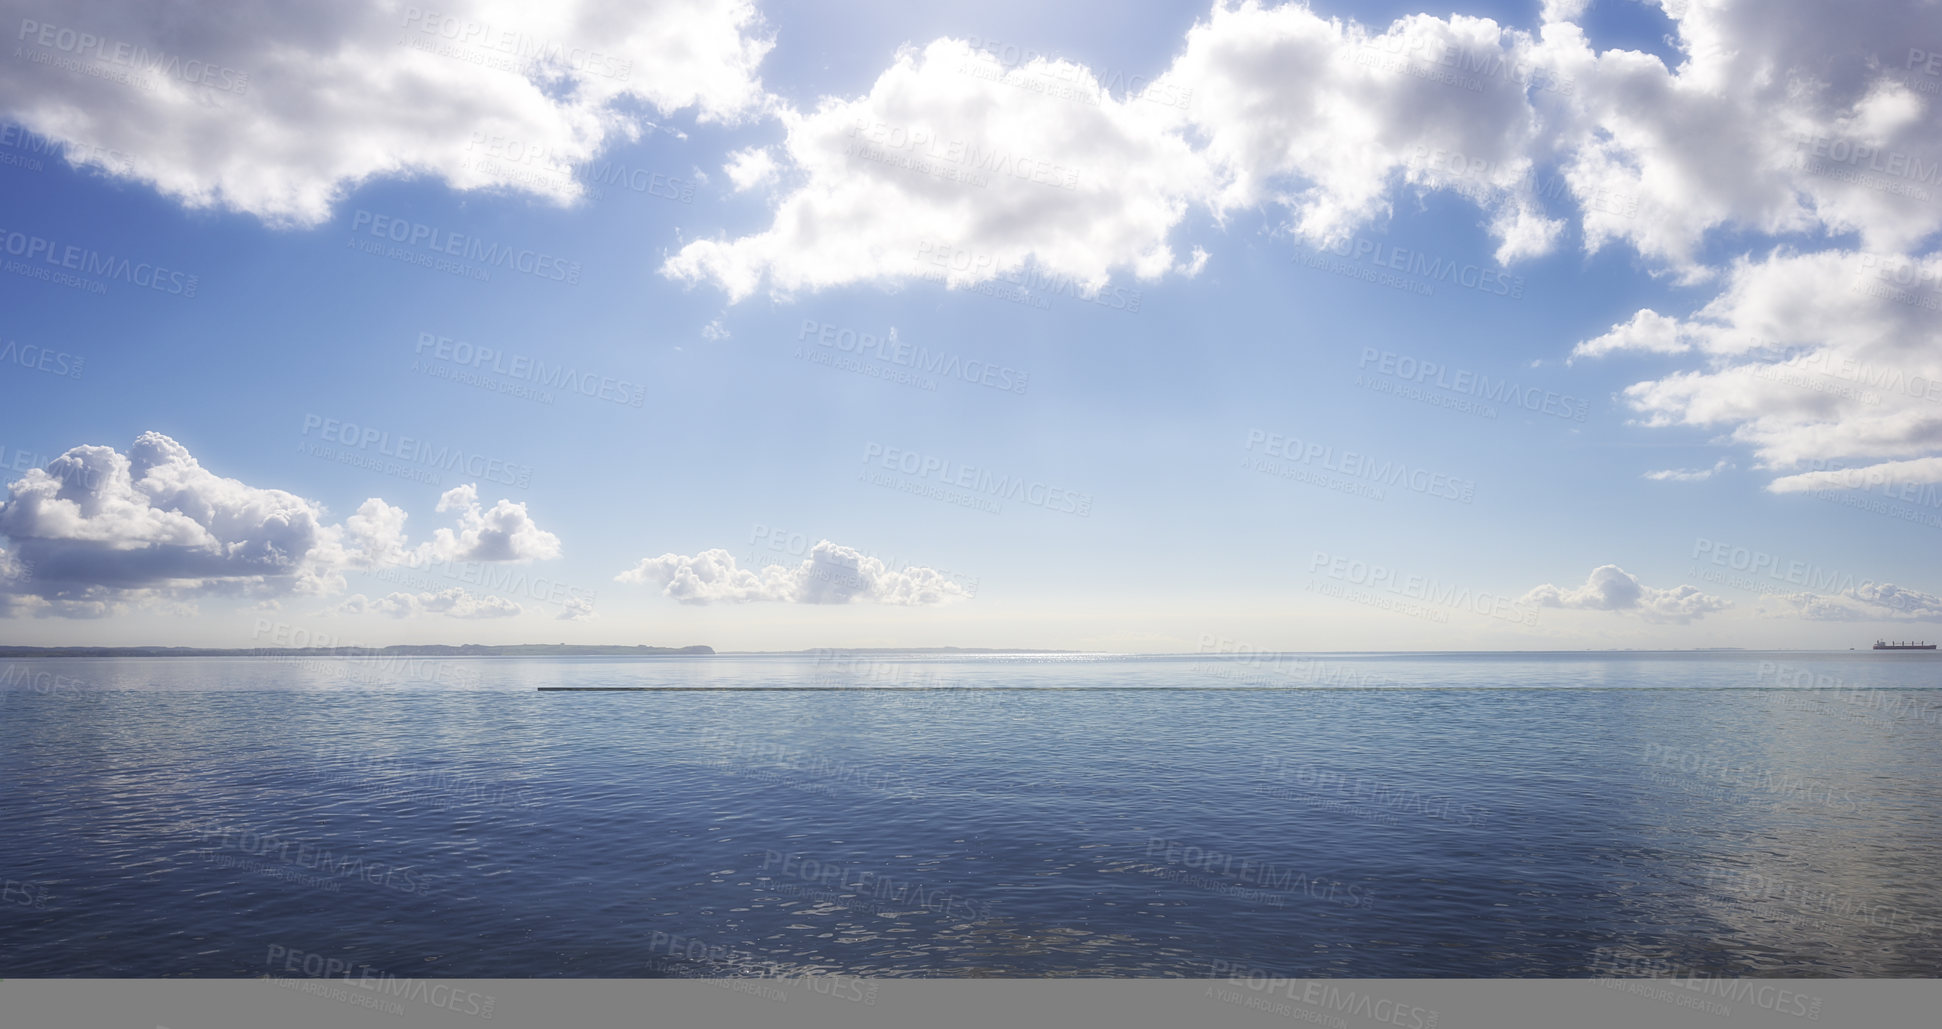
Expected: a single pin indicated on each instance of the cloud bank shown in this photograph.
(453, 603)
(1611, 588)
(277, 109)
(1867, 602)
(831, 574)
(97, 529)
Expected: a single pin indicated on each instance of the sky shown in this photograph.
(1150, 327)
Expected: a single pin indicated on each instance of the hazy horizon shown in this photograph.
(980, 651)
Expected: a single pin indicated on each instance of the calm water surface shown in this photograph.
(1330, 815)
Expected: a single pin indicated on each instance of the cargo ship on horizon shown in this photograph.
(1885, 645)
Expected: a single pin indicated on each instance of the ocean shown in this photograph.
(918, 814)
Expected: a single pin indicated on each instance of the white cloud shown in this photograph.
(1787, 117)
(1689, 474)
(1884, 475)
(303, 101)
(453, 603)
(1817, 361)
(1563, 10)
(1330, 118)
(95, 523)
(15, 578)
(12, 569)
(931, 174)
(98, 530)
(831, 574)
(751, 168)
(1648, 331)
(1611, 588)
(1754, 128)
(954, 165)
(1779, 117)
(503, 533)
(375, 535)
(1867, 602)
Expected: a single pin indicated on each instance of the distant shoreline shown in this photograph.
(701, 650)
(489, 650)
(399, 650)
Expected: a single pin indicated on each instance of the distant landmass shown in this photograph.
(479, 650)
(911, 650)
(411, 650)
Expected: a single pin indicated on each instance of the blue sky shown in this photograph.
(1161, 506)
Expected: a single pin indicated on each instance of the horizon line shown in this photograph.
(703, 650)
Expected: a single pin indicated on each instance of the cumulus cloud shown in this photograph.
(1648, 331)
(1563, 10)
(1331, 119)
(1755, 128)
(1780, 117)
(505, 532)
(277, 109)
(959, 167)
(96, 522)
(751, 168)
(1789, 119)
(1867, 602)
(375, 535)
(1828, 365)
(953, 165)
(831, 574)
(453, 603)
(1611, 588)
(97, 531)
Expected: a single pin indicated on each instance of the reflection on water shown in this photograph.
(1450, 815)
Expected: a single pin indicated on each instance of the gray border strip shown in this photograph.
(1118, 1004)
